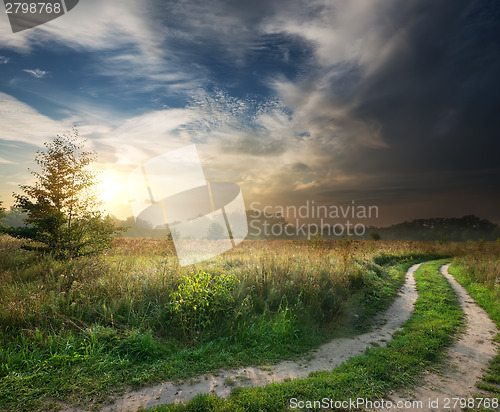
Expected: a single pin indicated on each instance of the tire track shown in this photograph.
(326, 357)
(467, 359)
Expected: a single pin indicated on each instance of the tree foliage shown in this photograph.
(2, 214)
(62, 205)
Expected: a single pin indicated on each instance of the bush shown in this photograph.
(200, 300)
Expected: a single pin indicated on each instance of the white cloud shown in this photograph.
(128, 140)
(138, 138)
(37, 73)
(129, 33)
(135, 73)
(238, 140)
(255, 145)
(5, 161)
(331, 124)
(310, 124)
(355, 30)
(4, 60)
(347, 36)
(93, 25)
(21, 123)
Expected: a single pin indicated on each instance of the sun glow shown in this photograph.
(112, 190)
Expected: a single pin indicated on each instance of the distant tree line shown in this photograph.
(468, 227)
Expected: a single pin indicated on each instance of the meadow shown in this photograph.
(75, 331)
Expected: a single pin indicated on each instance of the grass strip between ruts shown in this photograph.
(489, 300)
(422, 341)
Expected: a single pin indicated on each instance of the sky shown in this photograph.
(393, 103)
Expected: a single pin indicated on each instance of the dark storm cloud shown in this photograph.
(436, 96)
(415, 118)
(436, 99)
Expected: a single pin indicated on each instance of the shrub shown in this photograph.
(200, 300)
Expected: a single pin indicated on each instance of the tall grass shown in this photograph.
(370, 376)
(479, 272)
(76, 330)
(481, 263)
(138, 283)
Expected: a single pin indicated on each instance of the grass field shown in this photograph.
(431, 328)
(479, 272)
(74, 332)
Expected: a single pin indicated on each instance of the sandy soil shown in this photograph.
(465, 364)
(325, 357)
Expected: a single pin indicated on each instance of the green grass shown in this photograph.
(77, 331)
(480, 275)
(421, 343)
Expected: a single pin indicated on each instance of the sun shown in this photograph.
(111, 189)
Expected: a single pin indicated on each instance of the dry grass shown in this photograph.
(134, 308)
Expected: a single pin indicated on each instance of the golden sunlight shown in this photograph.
(112, 189)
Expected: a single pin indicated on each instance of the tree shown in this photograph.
(62, 205)
(2, 215)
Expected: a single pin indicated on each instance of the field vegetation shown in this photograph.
(432, 327)
(479, 272)
(75, 331)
